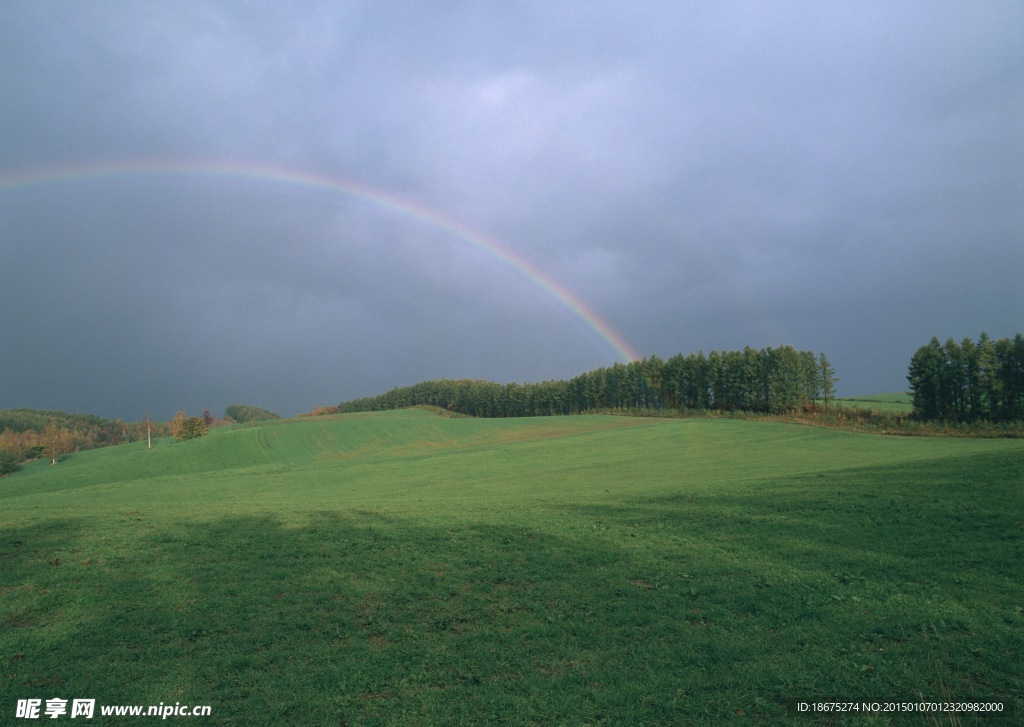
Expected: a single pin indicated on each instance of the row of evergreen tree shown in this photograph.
(969, 381)
(771, 380)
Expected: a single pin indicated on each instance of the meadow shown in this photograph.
(894, 402)
(410, 569)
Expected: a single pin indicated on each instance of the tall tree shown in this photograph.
(810, 378)
(954, 382)
(57, 442)
(925, 377)
(970, 362)
(828, 379)
(1013, 377)
(989, 383)
(785, 379)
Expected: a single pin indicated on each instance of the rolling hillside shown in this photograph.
(384, 457)
(405, 568)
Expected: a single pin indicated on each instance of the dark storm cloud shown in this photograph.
(702, 175)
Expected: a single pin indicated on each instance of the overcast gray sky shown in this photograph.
(842, 177)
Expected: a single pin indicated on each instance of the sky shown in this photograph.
(294, 204)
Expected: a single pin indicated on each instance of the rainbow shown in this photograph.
(383, 199)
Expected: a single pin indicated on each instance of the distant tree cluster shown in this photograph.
(969, 381)
(242, 413)
(774, 380)
(184, 427)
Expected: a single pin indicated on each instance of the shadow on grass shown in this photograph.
(323, 618)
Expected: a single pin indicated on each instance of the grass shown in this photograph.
(894, 402)
(402, 568)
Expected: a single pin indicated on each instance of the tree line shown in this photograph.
(969, 381)
(769, 380)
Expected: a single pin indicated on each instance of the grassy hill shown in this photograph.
(405, 568)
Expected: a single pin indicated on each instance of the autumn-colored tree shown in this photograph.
(322, 411)
(194, 428)
(178, 425)
(184, 427)
(21, 444)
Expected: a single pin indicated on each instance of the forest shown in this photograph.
(768, 380)
(963, 383)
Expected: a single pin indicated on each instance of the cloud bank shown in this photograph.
(845, 180)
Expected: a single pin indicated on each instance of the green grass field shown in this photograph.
(897, 402)
(409, 569)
